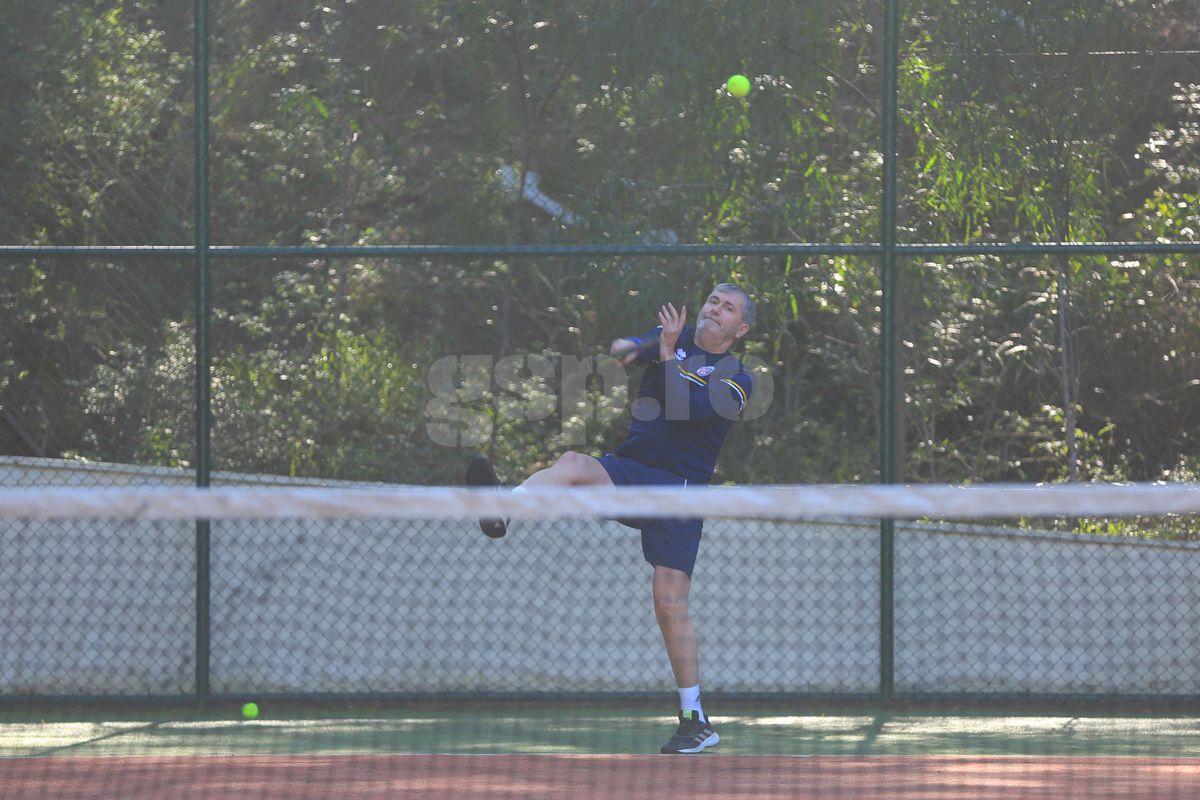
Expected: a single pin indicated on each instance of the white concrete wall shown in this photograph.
(980, 613)
(354, 606)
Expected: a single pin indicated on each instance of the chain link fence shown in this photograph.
(352, 366)
(402, 607)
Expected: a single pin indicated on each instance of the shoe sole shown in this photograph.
(711, 741)
(481, 473)
(493, 528)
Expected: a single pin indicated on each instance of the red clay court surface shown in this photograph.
(534, 777)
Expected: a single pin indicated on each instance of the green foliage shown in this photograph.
(374, 122)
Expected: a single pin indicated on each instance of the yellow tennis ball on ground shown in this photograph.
(738, 85)
(250, 711)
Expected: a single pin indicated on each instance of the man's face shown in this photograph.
(722, 312)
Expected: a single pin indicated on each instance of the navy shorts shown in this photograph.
(666, 542)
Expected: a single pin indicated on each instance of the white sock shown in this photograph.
(689, 700)
(517, 490)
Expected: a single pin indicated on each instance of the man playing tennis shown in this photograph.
(689, 397)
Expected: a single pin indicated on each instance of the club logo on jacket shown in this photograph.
(704, 372)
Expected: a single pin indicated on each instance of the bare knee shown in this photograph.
(670, 609)
(576, 468)
(670, 596)
(571, 469)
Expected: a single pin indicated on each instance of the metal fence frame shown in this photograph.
(887, 249)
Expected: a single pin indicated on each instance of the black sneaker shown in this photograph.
(694, 734)
(480, 473)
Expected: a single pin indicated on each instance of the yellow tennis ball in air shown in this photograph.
(250, 711)
(738, 85)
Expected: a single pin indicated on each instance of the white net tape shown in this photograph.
(745, 502)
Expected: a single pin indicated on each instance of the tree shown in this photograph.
(366, 122)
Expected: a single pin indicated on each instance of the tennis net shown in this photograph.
(1012, 622)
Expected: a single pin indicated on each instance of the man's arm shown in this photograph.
(640, 349)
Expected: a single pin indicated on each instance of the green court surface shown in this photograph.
(539, 728)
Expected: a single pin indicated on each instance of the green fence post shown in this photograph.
(887, 363)
(203, 377)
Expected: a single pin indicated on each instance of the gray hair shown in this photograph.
(748, 311)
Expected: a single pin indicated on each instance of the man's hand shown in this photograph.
(672, 322)
(625, 351)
